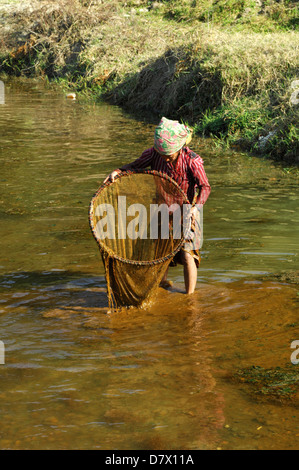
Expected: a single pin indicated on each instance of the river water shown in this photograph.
(77, 376)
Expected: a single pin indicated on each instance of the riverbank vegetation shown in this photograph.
(228, 68)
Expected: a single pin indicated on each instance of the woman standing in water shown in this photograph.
(171, 155)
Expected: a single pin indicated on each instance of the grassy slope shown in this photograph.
(225, 67)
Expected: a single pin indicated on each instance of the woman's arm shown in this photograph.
(202, 180)
(142, 162)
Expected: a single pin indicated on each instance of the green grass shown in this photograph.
(263, 16)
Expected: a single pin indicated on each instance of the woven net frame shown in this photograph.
(124, 274)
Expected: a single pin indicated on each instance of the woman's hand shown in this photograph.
(194, 214)
(112, 176)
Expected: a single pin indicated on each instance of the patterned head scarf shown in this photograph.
(171, 136)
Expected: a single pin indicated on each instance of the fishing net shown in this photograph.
(138, 223)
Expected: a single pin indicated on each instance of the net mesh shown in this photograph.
(137, 223)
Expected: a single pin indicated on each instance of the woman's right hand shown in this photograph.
(112, 176)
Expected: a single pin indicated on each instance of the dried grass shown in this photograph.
(50, 36)
(215, 68)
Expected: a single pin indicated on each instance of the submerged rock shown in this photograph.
(291, 277)
(264, 140)
(276, 384)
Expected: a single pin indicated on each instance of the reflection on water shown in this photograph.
(78, 376)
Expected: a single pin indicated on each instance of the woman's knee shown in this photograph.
(187, 259)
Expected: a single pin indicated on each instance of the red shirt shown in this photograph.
(187, 171)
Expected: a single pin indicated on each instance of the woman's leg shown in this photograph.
(165, 276)
(190, 271)
(164, 283)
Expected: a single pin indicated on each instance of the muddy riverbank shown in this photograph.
(234, 84)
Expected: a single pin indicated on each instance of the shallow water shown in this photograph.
(77, 376)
